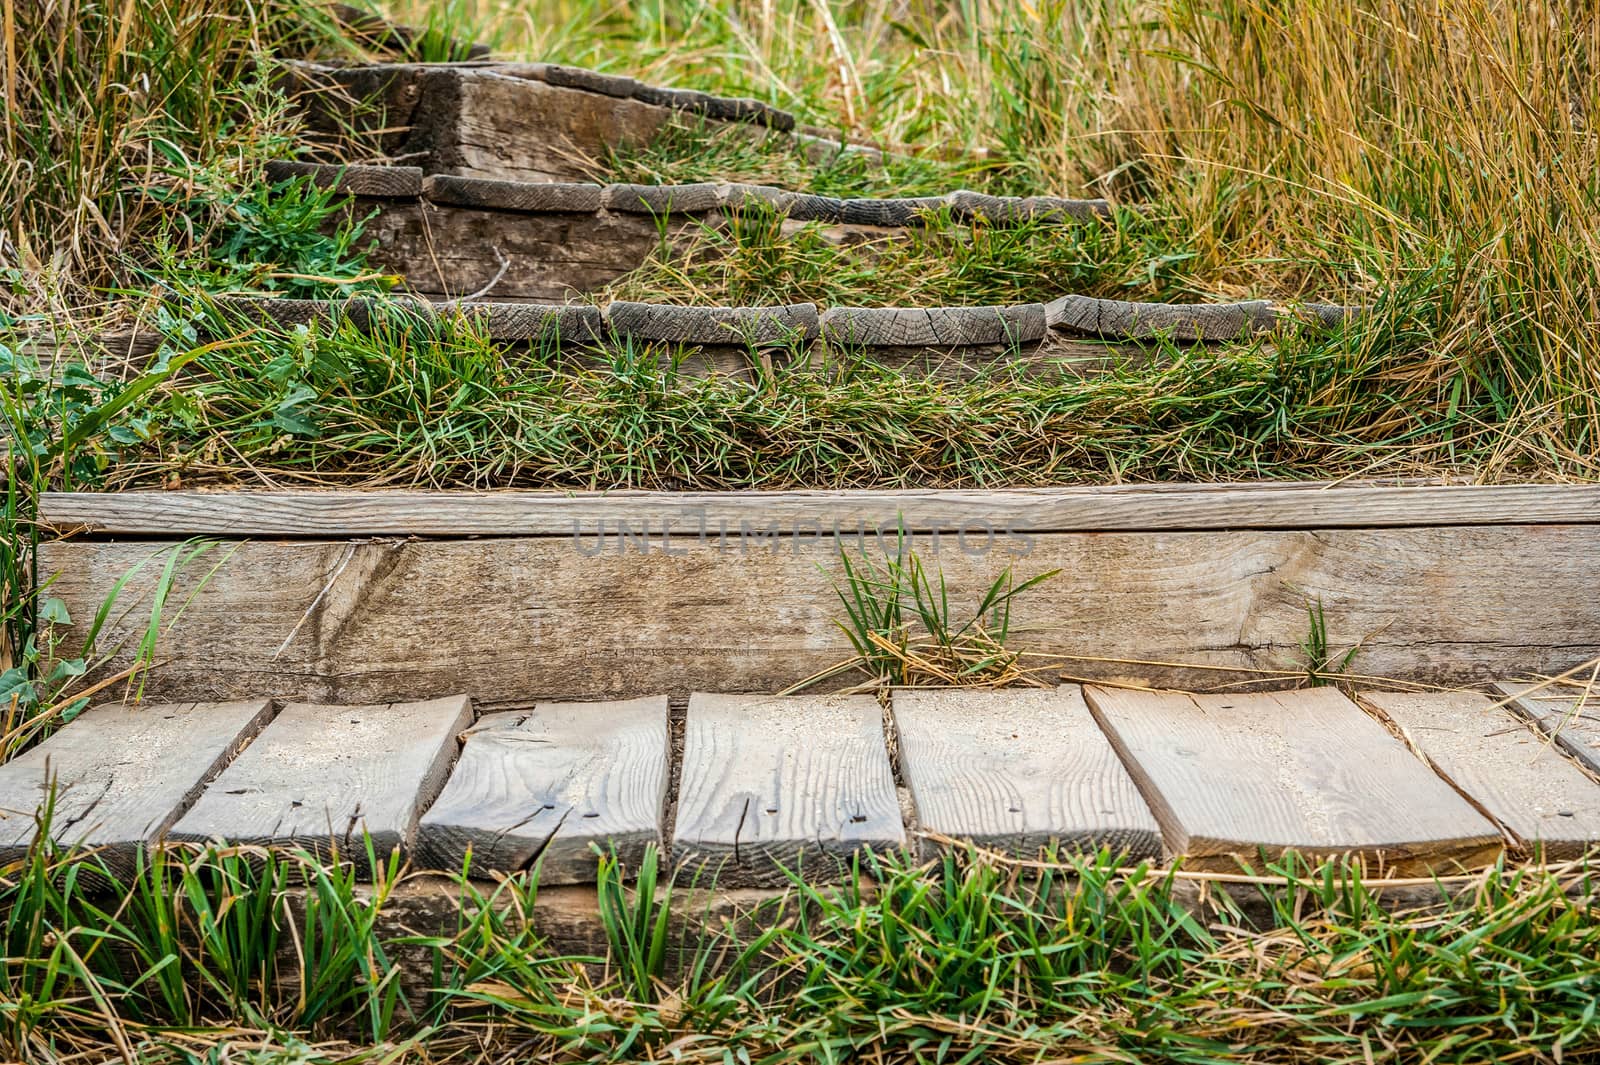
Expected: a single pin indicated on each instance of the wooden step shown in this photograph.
(770, 784)
(551, 786)
(1518, 777)
(121, 775)
(1235, 778)
(1563, 713)
(324, 777)
(1019, 771)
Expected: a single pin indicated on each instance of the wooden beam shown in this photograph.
(772, 784)
(1507, 769)
(1019, 771)
(1560, 711)
(1122, 508)
(325, 777)
(1234, 777)
(121, 775)
(374, 620)
(548, 786)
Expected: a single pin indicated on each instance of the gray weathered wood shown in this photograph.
(1079, 508)
(1559, 711)
(933, 326)
(1232, 777)
(663, 199)
(325, 777)
(548, 787)
(805, 207)
(772, 783)
(1510, 771)
(386, 182)
(590, 80)
(1019, 771)
(713, 325)
(748, 605)
(530, 196)
(1056, 208)
(896, 212)
(1181, 321)
(122, 775)
(448, 250)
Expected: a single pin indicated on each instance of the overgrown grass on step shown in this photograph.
(961, 959)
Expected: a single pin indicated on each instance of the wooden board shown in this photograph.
(773, 783)
(452, 251)
(1019, 771)
(750, 607)
(1118, 508)
(1510, 771)
(122, 774)
(1231, 777)
(548, 786)
(322, 777)
(1559, 711)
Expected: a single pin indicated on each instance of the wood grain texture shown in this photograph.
(380, 182)
(1181, 321)
(746, 606)
(713, 325)
(446, 250)
(570, 197)
(1510, 771)
(548, 786)
(1233, 777)
(122, 774)
(1560, 712)
(933, 326)
(323, 777)
(663, 199)
(1019, 771)
(488, 124)
(772, 783)
(1119, 508)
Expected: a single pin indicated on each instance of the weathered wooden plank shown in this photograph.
(456, 251)
(1560, 711)
(747, 605)
(933, 326)
(384, 182)
(1116, 508)
(572, 197)
(550, 785)
(713, 325)
(772, 783)
(1231, 777)
(1181, 321)
(122, 774)
(323, 777)
(1514, 774)
(663, 199)
(894, 212)
(1020, 771)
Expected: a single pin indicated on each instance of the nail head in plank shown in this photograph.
(1556, 711)
(319, 777)
(1507, 768)
(782, 782)
(1232, 776)
(549, 784)
(1019, 770)
(123, 774)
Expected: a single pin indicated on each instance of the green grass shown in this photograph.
(200, 957)
(436, 404)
